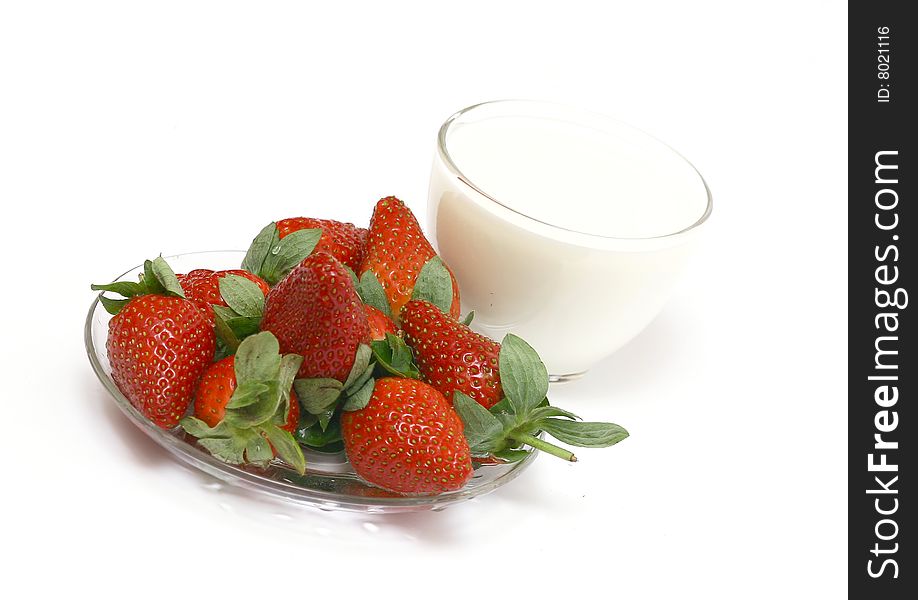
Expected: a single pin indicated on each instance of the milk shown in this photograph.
(580, 179)
(564, 228)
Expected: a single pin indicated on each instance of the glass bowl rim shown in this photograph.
(583, 237)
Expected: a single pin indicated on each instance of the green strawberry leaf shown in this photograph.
(225, 333)
(316, 395)
(224, 312)
(361, 397)
(482, 429)
(504, 407)
(372, 293)
(584, 434)
(287, 448)
(258, 358)
(243, 327)
(353, 276)
(467, 320)
(242, 295)
(523, 375)
(290, 365)
(231, 327)
(544, 412)
(361, 381)
(254, 412)
(230, 450)
(507, 420)
(325, 418)
(258, 451)
(246, 394)
(157, 278)
(358, 387)
(394, 357)
(402, 358)
(288, 253)
(525, 410)
(166, 277)
(200, 429)
(112, 307)
(261, 246)
(315, 437)
(503, 411)
(148, 279)
(128, 289)
(434, 285)
(522, 429)
(361, 362)
(307, 420)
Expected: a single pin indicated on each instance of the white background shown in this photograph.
(127, 130)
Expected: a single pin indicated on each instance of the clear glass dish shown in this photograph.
(329, 482)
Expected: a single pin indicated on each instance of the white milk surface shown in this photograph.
(624, 185)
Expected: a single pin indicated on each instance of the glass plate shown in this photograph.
(329, 482)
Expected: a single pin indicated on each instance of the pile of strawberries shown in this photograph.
(335, 337)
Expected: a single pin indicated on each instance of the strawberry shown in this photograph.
(216, 388)
(202, 287)
(450, 356)
(407, 439)
(159, 343)
(245, 411)
(499, 390)
(396, 253)
(380, 324)
(316, 313)
(363, 235)
(344, 241)
(503, 431)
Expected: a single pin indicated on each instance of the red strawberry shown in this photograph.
(202, 286)
(216, 388)
(450, 356)
(158, 344)
(362, 236)
(245, 410)
(315, 312)
(407, 439)
(380, 324)
(396, 251)
(344, 241)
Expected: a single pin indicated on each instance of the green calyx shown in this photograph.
(241, 317)
(394, 357)
(371, 292)
(515, 422)
(257, 409)
(271, 257)
(323, 399)
(434, 284)
(310, 433)
(157, 278)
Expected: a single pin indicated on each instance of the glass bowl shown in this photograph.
(329, 482)
(568, 228)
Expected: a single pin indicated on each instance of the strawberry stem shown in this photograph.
(544, 446)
